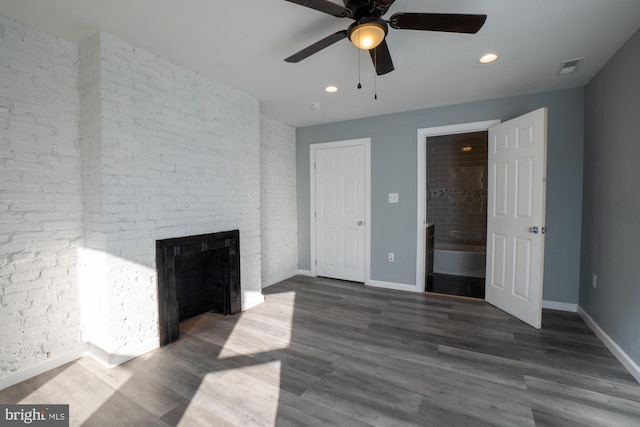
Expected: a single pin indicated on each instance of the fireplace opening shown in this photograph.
(196, 274)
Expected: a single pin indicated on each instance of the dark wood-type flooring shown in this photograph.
(324, 352)
(463, 286)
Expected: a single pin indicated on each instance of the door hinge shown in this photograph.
(315, 262)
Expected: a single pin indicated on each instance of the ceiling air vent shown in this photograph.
(570, 66)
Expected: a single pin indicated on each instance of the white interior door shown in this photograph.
(340, 212)
(515, 216)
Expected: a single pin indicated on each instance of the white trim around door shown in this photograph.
(313, 148)
(423, 134)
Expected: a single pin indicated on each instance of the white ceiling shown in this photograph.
(243, 43)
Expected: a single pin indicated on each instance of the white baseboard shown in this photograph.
(392, 285)
(110, 360)
(306, 273)
(99, 355)
(41, 367)
(619, 353)
(251, 299)
(561, 306)
(278, 279)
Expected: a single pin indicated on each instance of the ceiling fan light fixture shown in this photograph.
(367, 35)
(369, 29)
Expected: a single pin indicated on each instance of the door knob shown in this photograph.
(360, 222)
(533, 229)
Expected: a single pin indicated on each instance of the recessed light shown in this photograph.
(331, 89)
(487, 58)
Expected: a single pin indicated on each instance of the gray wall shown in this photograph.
(611, 210)
(394, 169)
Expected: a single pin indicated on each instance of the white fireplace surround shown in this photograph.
(111, 148)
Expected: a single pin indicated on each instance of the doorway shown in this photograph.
(340, 209)
(423, 134)
(456, 181)
(515, 213)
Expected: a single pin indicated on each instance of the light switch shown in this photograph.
(393, 197)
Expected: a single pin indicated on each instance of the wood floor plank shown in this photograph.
(536, 369)
(194, 416)
(544, 419)
(327, 352)
(606, 404)
(295, 411)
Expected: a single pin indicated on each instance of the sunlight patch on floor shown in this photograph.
(78, 385)
(249, 337)
(226, 396)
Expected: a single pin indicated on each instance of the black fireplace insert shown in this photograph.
(196, 274)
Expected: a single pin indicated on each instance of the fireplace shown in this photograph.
(196, 274)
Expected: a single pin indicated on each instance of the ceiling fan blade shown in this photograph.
(324, 6)
(382, 58)
(447, 22)
(317, 46)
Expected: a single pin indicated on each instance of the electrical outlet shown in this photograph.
(394, 197)
(392, 257)
(594, 280)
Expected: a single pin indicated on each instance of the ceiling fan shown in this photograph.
(369, 30)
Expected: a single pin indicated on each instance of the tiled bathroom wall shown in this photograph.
(457, 188)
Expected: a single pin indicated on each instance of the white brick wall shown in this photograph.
(94, 309)
(122, 147)
(40, 198)
(279, 205)
(177, 154)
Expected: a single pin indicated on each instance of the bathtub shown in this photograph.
(459, 260)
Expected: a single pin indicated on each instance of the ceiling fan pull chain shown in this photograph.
(375, 75)
(359, 75)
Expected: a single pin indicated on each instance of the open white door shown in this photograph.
(340, 212)
(515, 216)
